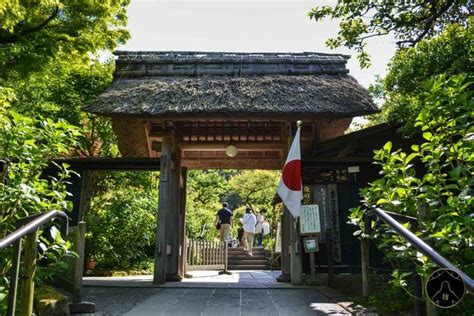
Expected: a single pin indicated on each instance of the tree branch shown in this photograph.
(429, 23)
(15, 37)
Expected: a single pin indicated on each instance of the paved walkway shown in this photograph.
(200, 279)
(242, 293)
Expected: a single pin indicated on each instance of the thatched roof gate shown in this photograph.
(215, 99)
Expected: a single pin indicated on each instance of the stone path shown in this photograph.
(242, 293)
(201, 279)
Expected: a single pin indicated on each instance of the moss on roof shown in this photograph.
(273, 95)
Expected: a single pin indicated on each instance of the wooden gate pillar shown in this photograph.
(285, 246)
(164, 207)
(296, 253)
(182, 222)
(173, 221)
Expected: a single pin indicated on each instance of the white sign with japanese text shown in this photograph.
(310, 222)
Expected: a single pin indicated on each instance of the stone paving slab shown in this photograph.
(200, 279)
(244, 293)
(167, 301)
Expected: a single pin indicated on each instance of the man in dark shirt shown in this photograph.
(240, 235)
(224, 217)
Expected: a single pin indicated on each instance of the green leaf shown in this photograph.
(445, 248)
(469, 255)
(410, 157)
(456, 172)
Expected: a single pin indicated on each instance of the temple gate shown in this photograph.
(228, 111)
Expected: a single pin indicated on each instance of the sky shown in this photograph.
(243, 26)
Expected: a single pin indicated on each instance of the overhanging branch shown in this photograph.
(15, 37)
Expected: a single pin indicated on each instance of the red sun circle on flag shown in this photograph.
(291, 175)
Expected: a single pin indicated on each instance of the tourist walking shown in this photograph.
(249, 221)
(224, 219)
(240, 235)
(259, 227)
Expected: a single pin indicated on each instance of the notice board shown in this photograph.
(310, 221)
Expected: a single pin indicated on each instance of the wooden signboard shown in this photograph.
(310, 222)
(327, 199)
(311, 244)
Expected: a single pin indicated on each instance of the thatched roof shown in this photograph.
(215, 84)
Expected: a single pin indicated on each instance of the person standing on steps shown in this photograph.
(249, 221)
(224, 217)
(259, 227)
(240, 235)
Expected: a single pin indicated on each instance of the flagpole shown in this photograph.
(290, 191)
(296, 251)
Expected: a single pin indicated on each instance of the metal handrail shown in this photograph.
(35, 222)
(422, 246)
(28, 225)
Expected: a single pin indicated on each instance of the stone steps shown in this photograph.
(248, 267)
(244, 257)
(249, 261)
(238, 259)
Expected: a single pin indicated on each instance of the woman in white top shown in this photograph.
(249, 221)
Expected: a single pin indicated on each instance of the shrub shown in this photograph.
(121, 228)
(444, 189)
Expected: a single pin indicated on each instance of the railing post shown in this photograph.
(418, 291)
(14, 278)
(78, 263)
(417, 280)
(225, 257)
(28, 285)
(365, 257)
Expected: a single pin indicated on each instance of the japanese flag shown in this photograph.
(290, 188)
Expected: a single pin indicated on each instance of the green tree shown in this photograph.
(26, 147)
(205, 188)
(444, 189)
(409, 21)
(67, 88)
(48, 57)
(451, 53)
(121, 226)
(47, 52)
(34, 34)
(256, 188)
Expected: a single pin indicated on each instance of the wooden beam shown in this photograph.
(249, 146)
(267, 164)
(116, 164)
(147, 127)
